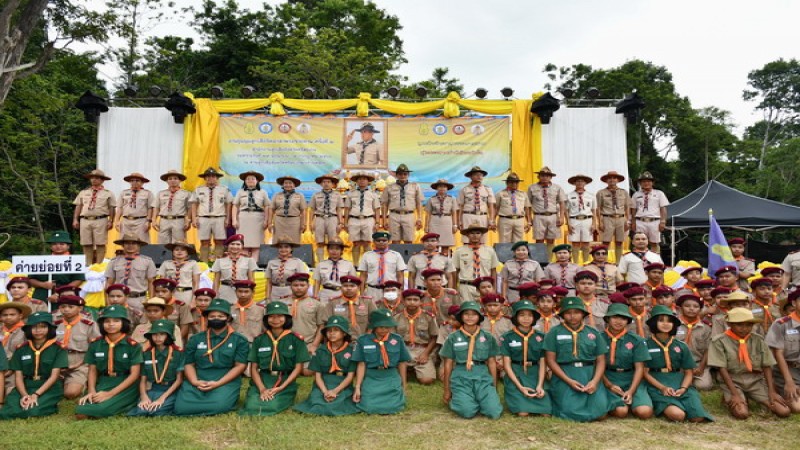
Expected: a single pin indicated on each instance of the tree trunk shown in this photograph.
(14, 39)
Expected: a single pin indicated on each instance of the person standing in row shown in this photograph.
(607, 273)
(135, 208)
(476, 203)
(562, 270)
(519, 270)
(233, 267)
(632, 264)
(132, 269)
(94, 216)
(513, 212)
(211, 213)
(250, 213)
(380, 265)
(649, 211)
(580, 217)
(747, 266)
(326, 209)
(400, 201)
(279, 270)
(328, 272)
(361, 206)
(474, 260)
(442, 215)
(183, 271)
(613, 207)
(288, 210)
(429, 258)
(173, 209)
(547, 202)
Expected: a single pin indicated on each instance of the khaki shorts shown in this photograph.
(650, 229)
(94, 232)
(76, 375)
(467, 292)
(171, 230)
(427, 370)
(545, 227)
(402, 226)
(582, 230)
(468, 219)
(325, 229)
(211, 226)
(751, 386)
(137, 227)
(613, 229)
(360, 230)
(510, 230)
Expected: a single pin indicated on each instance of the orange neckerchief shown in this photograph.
(614, 340)
(471, 347)
(391, 307)
(589, 309)
(7, 331)
(210, 350)
(493, 321)
(384, 353)
(37, 353)
(111, 345)
(334, 364)
(294, 305)
(795, 316)
(243, 311)
(525, 338)
(276, 358)
(665, 349)
(768, 319)
(160, 378)
(351, 303)
(744, 356)
(203, 321)
(575, 334)
(411, 328)
(639, 318)
(68, 330)
(547, 322)
(689, 327)
(434, 302)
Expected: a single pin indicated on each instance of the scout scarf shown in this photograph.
(7, 331)
(433, 303)
(68, 330)
(37, 352)
(110, 359)
(392, 306)
(276, 357)
(575, 334)
(178, 266)
(243, 311)
(294, 305)
(589, 309)
(351, 303)
(744, 356)
(639, 321)
(335, 364)
(211, 349)
(767, 315)
(546, 322)
(525, 338)
(614, 340)
(689, 327)
(471, 348)
(384, 353)
(159, 378)
(665, 349)
(493, 321)
(411, 328)
(795, 316)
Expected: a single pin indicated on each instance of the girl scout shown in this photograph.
(670, 371)
(523, 358)
(470, 367)
(37, 368)
(235, 266)
(114, 367)
(276, 360)
(213, 365)
(162, 372)
(332, 392)
(381, 372)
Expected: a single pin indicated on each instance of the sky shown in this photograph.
(709, 46)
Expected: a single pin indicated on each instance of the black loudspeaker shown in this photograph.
(305, 252)
(407, 250)
(159, 253)
(538, 252)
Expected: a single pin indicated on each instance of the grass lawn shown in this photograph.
(426, 423)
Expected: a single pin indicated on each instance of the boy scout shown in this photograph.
(613, 204)
(399, 203)
(13, 315)
(392, 300)
(18, 290)
(368, 151)
(74, 332)
(327, 207)
(649, 211)
(351, 305)
(361, 206)
(173, 207)
(94, 216)
(746, 266)
(442, 217)
(155, 310)
(765, 307)
(585, 283)
(476, 203)
(211, 213)
(182, 270)
(639, 309)
(436, 298)
(430, 258)
(307, 312)
(59, 242)
(133, 270)
(547, 202)
(247, 315)
(380, 265)
(288, 210)
(607, 273)
(474, 260)
(562, 270)
(135, 208)
(697, 336)
(419, 331)
(512, 212)
(783, 338)
(327, 273)
(579, 212)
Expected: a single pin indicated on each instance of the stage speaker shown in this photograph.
(407, 250)
(159, 253)
(305, 252)
(538, 252)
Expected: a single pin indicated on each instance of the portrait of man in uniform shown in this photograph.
(365, 145)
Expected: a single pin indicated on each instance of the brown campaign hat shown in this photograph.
(134, 175)
(173, 172)
(476, 169)
(337, 241)
(513, 177)
(545, 171)
(290, 178)
(97, 173)
(367, 126)
(646, 176)
(402, 168)
(612, 173)
(574, 178)
(475, 226)
(442, 182)
(258, 176)
(285, 240)
(362, 175)
(189, 247)
(327, 176)
(211, 172)
(130, 238)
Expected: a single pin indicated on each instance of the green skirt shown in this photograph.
(48, 402)
(382, 392)
(689, 402)
(473, 392)
(191, 401)
(342, 405)
(118, 404)
(254, 406)
(156, 391)
(580, 406)
(624, 380)
(517, 402)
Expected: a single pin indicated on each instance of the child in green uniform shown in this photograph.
(276, 360)
(114, 367)
(523, 358)
(37, 368)
(670, 371)
(213, 365)
(625, 368)
(576, 354)
(3, 369)
(162, 371)
(332, 392)
(382, 359)
(470, 367)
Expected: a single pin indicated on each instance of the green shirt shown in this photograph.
(224, 356)
(24, 359)
(631, 348)
(724, 352)
(590, 344)
(58, 279)
(456, 347)
(679, 355)
(511, 345)
(321, 361)
(175, 365)
(127, 353)
(291, 351)
(3, 361)
(368, 351)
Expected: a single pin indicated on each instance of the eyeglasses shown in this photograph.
(600, 253)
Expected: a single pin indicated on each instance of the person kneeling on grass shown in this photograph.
(162, 371)
(470, 367)
(670, 371)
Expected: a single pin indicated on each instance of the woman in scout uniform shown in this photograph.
(519, 270)
(470, 367)
(626, 359)
(670, 371)
(37, 368)
(202, 298)
(332, 391)
(697, 336)
(442, 215)
(288, 210)
(523, 359)
(19, 289)
(276, 360)
(114, 368)
(162, 372)
(639, 311)
(233, 267)
(213, 365)
(279, 270)
(250, 215)
(382, 359)
(182, 270)
(576, 354)
(117, 294)
(325, 213)
(74, 333)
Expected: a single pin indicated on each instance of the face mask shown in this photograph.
(217, 324)
(390, 295)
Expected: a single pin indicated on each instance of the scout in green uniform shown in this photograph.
(744, 363)
(381, 373)
(3, 369)
(162, 372)
(523, 358)
(470, 367)
(576, 354)
(276, 360)
(334, 371)
(115, 362)
(670, 371)
(213, 365)
(626, 359)
(37, 368)
(60, 242)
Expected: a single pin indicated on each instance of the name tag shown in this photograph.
(460, 344)
(792, 331)
(757, 310)
(99, 355)
(515, 344)
(369, 347)
(564, 337)
(148, 362)
(654, 350)
(26, 357)
(202, 345)
(681, 332)
(59, 332)
(265, 349)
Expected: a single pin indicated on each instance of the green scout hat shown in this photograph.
(470, 306)
(741, 315)
(619, 309)
(519, 244)
(218, 304)
(381, 234)
(571, 303)
(381, 318)
(39, 317)
(661, 310)
(525, 305)
(114, 312)
(277, 308)
(162, 326)
(59, 237)
(338, 322)
(560, 247)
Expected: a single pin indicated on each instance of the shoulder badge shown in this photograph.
(179, 302)
(365, 297)
(36, 301)
(430, 314)
(262, 303)
(604, 300)
(176, 348)
(131, 341)
(784, 319)
(58, 322)
(87, 321)
(99, 338)
(21, 345)
(299, 336)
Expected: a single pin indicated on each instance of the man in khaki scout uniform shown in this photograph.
(94, 216)
(580, 217)
(306, 311)
(613, 207)
(476, 203)
(400, 201)
(351, 305)
(74, 334)
(288, 210)
(791, 270)
(419, 331)
(783, 338)
(649, 210)
(327, 207)
(248, 316)
(328, 272)
(430, 258)
(436, 298)
(173, 208)
(361, 206)
(133, 270)
(211, 213)
(368, 151)
(474, 260)
(547, 202)
(513, 212)
(135, 208)
(380, 265)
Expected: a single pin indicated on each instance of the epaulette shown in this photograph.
(750, 259)
(627, 253)
(784, 319)
(337, 297)
(299, 336)
(604, 300)
(36, 301)
(366, 297)
(430, 313)
(58, 322)
(21, 345)
(131, 341)
(99, 338)
(87, 322)
(791, 253)
(450, 291)
(176, 348)
(179, 302)
(262, 303)
(145, 256)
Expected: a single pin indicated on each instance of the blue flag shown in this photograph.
(719, 253)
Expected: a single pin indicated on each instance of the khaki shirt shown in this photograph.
(701, 338)
(224, 267)
(555, 198)
(436, 206)
(296, 207)
(746, 265)
(335, 203)
(791, 266)
(180, 202)
(574, 201)
(103, 206)
(613, 202)
(141, 207)
(517, 272)
(784, 334)
(278, 271)
(371, 203)
(11, 341)
(564, 276)
(655, 201)
(607, 277)
(393, 263)
(439, 305)
(242, 200)
(463, 256)
(597, 309)
(724, 352)
(181, 313)
(410, 200)
(184, 277)
(341, 307)
(307, 314)
(504, 205)
(144, 327)
(422, 261)
(249, 320)
(208, 205)
(497, 327)
(425, 328)
(466, 199)
(80, 334)
(323, 274)
(142, 271)
(367, 153)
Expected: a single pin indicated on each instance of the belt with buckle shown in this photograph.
(227, 282)
(614, 216)
(441, 215)
(136, 294)
(476, 213)
(339, 373)
(375, 286)
(544, 213)
(362, 217)
(75, 351)
(253, 210)
(183, 288)
(581, 217)
(513, 217)
(527, 364)
(134, 217)
(277, 373)
(331, 287)
(325, 215)
(475, 363)
(94, 217)
(280, 284)
(620, 370)
(286, 217)
(174, 217)
(397, 211)
(793, 364)
(648, 219)
(580, 364)
(211, 217)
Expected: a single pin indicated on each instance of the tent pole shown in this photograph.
(672, 243)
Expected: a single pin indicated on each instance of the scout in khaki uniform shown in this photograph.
(512, 212)
(655, 278)
(576, 355)
(585, 284)
(579, 210)
(474, 260)
(774, 273)
(725, 303)
(649, 211)
(45, 290)
(162, 372)
(382, 357)
(744, 363)
(791, 270)
(135, 208)
(547, 203)
(276, 360)
(247, 314)
(764, 305)
(443, 216)
(183, 271)
(202, 299)
(326, 216)
(351, 305)
(37, 368)
(182, 313)
(697, 336)
(523, 359)
(155, 309)
(307, 313)
(173, 207)
(607, 273)
(211, 213)
(783, 338)
(563, 270)
(392, 298)
(613, 207)
(436, 298)
(692, 275)
(430, 258)
(380, 265)
(115, 362)
(328, 272)
(470, 367)
(74, 332)
(18, 290)
(334, 371)
(746, 266)
(632, 264)
(639, 308)
(250, 213)
(279, 270)
(117, 294)
(476, 203)
(546, 307)
(368, 151)
(234, 266)
(419, 331)
(520, 270)
(94, 216)
(289, 210)
(399, 203)
(133, 270)
(496, 323)
(361, 206)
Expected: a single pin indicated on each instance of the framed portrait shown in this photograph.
(365, 144)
